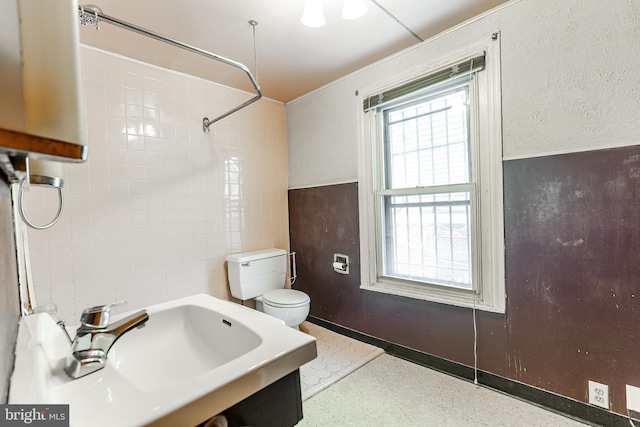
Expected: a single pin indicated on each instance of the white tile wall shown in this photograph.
(153, 213)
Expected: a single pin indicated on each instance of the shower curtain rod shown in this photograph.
(92, 15)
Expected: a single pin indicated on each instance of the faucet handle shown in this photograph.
(98, 317)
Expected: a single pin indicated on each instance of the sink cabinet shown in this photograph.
(277, 405)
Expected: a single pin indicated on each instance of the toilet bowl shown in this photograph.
(260, 275)
(289, 305)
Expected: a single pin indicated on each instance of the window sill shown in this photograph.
(455, 298)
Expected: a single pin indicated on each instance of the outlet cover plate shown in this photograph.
(599, 394)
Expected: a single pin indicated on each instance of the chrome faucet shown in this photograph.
(95, 336)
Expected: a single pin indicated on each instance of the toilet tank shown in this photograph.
(251, 274)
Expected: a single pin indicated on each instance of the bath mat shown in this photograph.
(338, 356)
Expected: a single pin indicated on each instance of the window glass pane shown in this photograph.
(428, 238)
(427, 235)
(427, 143)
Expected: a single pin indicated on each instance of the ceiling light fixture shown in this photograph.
(313, 15)
(353, 9)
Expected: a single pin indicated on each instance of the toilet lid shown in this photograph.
(286, 298)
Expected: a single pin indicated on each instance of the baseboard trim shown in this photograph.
(568, 407)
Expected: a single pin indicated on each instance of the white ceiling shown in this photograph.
(291, 59)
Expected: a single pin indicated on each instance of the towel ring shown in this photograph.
(42, 181)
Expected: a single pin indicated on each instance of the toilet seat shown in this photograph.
(286, 298)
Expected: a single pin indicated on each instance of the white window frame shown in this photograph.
(490, 293)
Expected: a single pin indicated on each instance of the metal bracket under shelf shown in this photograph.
(7, 166)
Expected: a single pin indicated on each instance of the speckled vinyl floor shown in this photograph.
(390, 392)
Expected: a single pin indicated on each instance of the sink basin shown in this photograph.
(182, 342)
(194, 358)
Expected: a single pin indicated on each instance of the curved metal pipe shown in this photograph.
(95, 12)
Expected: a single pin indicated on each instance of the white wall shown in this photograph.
(153, 213)
(570, 82)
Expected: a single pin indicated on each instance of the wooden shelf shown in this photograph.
(37, 147)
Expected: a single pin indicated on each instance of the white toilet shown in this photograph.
(261, 275)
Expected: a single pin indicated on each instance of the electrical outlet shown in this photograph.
(599, 394)
(633, 398)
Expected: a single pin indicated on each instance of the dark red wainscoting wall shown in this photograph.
(572, 244)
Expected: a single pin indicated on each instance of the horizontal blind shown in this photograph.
(451, 72)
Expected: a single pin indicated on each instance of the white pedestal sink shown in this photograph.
(195, 357)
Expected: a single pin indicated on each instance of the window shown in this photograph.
(427, 187)
(434, 209)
